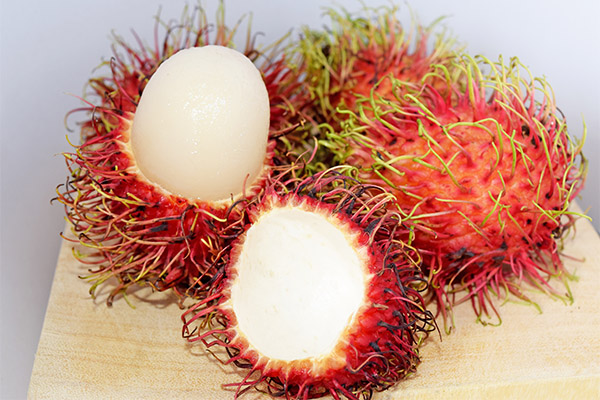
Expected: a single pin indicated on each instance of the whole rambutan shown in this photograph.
(173, 137)
(485, 170)
(317, 296)
(350, 58)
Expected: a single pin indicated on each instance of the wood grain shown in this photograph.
(88, 350)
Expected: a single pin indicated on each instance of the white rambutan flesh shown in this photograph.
(280, 300)
(200, 129)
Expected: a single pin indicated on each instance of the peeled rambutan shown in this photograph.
(484, 170)
(317, 296)
(173, 137)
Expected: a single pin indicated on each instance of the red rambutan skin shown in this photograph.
(137, 232)
(485, 170)
(357, 52)
(378, 349)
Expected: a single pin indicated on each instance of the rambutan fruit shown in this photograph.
(317, 297)
(173, 137)
(350, 58)
(485, 171)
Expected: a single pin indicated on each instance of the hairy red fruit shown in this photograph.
(485, 170)
(356, 53)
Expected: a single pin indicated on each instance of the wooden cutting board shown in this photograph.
(90, 351)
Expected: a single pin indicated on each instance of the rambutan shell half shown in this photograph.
(374, 320)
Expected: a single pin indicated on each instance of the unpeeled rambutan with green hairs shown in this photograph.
(157, 230)
(317, 295)
(485, 170)
(349, 59)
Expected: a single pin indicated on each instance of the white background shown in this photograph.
(49, 48)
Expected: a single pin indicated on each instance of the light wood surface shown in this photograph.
(90, 351)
